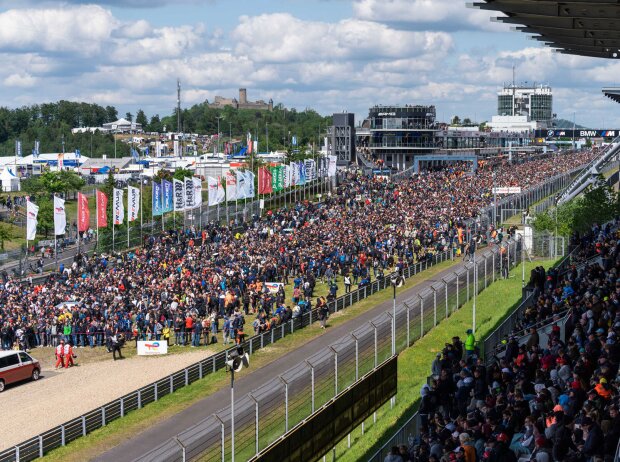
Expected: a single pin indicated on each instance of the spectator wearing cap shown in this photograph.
(466, 445)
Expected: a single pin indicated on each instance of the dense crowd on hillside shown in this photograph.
(545, 401)
(186, 287)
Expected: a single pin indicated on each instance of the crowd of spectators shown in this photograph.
(188, 286)
(545, 401)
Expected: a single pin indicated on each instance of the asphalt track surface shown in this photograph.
(158, 433)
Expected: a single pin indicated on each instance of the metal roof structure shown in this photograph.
(585, 27)
(612, 93)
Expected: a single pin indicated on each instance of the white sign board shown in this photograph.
(261, 203)
(153, 347)
(273, 287)
(508, 190)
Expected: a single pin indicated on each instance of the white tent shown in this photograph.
(10, 182)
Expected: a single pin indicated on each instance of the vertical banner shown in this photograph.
(60, 216)
(102, 210)
(61, 161)
(179, 195)
(133, 203)
(241, 189)
(255, 147)
(294, 173)
(287, 176)
(175, 148)
(264, 181)
(158, 207)
(18, 148)
(37, 149)
(168, 196)
(250, 144)
(249, 185)
(32, 211)
(302, 173)
(275, 186)
(157, 148)
(212, 185)
(221, 193)
(83, 213)
(118, 207)
(331, 168)
(197, 192)
(189, 193)
(231, 186)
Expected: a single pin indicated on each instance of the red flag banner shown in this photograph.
(264, 181)
(102, 210)
(83, 213)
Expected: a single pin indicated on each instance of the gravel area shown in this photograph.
(31, 408)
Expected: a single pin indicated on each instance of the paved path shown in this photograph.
(160, 432)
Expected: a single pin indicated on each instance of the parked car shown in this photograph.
(16, 366)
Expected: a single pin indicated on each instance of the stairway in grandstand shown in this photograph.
(591, 173)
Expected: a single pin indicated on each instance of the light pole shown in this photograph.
(237, 360)
(218, 134)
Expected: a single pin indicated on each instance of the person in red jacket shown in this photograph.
(60, 354)
(69, 355)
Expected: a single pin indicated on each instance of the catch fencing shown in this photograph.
(271, 410)
(87, 423)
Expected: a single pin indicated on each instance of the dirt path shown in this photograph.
(35, 407)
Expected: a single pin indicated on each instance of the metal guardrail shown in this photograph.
(87, 423)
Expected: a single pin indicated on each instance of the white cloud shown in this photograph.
(433, 14)
(20, 80)
(80, 30)
(282, 38)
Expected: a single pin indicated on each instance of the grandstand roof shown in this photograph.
(612, 93)
(586, 27)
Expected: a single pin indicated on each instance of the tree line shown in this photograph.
(51, 124)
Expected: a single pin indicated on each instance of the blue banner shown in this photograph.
(168, 201)
(157, 205)
(302, 174)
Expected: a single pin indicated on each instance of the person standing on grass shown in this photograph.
(470, 344)
(323, 315)
(347, 284)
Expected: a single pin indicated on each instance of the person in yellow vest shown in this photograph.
(166, 334)
(470, 343)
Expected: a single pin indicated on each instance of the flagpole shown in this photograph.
(128, 212)
(141, 207)
(97, 218)
(55, 244)
(77, 222)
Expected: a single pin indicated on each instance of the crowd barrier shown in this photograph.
(80, 426)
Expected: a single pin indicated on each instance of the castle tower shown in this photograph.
(243, 96)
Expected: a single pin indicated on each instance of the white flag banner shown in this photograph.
(197, 192)
(118, 206)
(231, 186)
(249, 185)
(190, 201)
(157, 149)
(331, 169)
(221, 192)
(175, 145)
(133, 203)
(213, 191)
(179, 195)
(32, 212)
(287, 176)
(60, 216)
(241, 190)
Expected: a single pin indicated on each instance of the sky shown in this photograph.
(328, 55)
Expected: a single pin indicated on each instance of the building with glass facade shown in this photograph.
(535, 102)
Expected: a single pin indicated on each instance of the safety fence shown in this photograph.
(278, 405)
(60, 436)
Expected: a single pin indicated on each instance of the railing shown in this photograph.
(80, 426)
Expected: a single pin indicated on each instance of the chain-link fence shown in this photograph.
(278, 405)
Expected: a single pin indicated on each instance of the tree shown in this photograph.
(456, 120)
(5, 235)
(111, 114)
(141, 119)
(466, 121)
(155, 124)
(45, 218)
(129, 116)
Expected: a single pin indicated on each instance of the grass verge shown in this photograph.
(121, 430)
(492, 306)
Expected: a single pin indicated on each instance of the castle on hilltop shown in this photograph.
(242, 103)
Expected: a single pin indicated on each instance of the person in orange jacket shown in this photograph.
(60, 354)
(69, 355)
